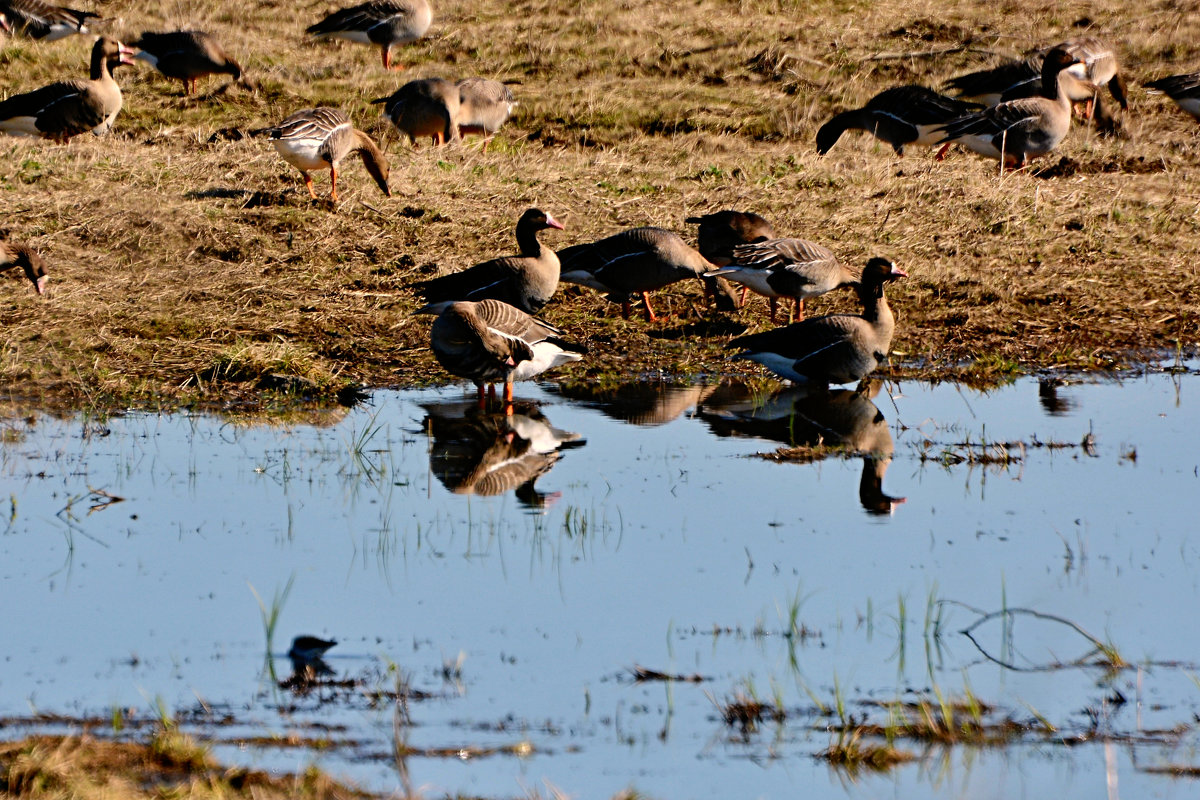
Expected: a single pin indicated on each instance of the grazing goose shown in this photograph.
(426, 107)
(1183, 89)
(1017, 130)
(319, 138)
(387, 23)
(18, 255)
(722, 231)
(527, 280)
(483, 106)
(633, 262)
(786, 268)
(901, 116)
(491, 341)
(68, 108)
(839, 348)
(186, 56)
(40, 20)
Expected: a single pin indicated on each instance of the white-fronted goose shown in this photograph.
(387, 23)
(14, 255)
(786, 268)
(40, 20)
(319, 138)
(483, 106)
(1183, 89)
(69, 108)
(491, 341)
(426, 107)
(633, 262)
(721, 231)
(1016, 130)
(527, 280)
(839, 348)
(900, 116)
(186, 56)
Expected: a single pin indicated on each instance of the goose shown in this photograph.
(839, 348)
(633, 262)
(426, 107)
(721, 231)
(1183, 89)
(490, 341)
(68, 108)
(900, 116)
(18, 255)
(40, 20)
(786, 268)
(319, 138)
(483, 106)
(387, 23)
(527, 280)
(1016, 130)
(186, 56)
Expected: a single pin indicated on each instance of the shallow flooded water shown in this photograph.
(509, 575)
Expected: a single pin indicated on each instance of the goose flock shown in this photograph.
(484, 328)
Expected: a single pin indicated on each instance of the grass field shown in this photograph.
(188, 264)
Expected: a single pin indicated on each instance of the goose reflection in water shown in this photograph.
(807, 416)
(489, 453)
(641, 403)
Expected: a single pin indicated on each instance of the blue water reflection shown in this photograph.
(592, 531)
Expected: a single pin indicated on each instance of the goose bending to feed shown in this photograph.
(40, 20)
(721, 231)
(900, 116)
(186, 56)
(319, 138)
(491, 341)
(425, 107)
(483, 106)
(527, 280)
(1183, 89)
(18, 255)
(386, 23)
(633, 262)
(1016, 130)
(786, 268)
(68, 108)
(839, 348)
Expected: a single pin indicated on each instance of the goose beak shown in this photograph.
(40, 284)
(551, 222)
(127, 54)
(898, 273)
(4, 26)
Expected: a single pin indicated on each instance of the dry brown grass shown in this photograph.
(186, 267)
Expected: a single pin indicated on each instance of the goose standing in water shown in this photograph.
(839, 348)
(319, 138)
(68, 108)
(386, 23)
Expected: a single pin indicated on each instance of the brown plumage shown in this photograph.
(14, 255)
(426, 107)
(839, 348)
(68, 108)
(483, 106)
(633, 262)
(40, 20)
(319, 138)
(186, 56)
(1183, 89)
(527, 280)
(386, 23)
(721, 231)
(793, 268)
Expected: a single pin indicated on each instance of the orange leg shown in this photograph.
(941, 154)
(649, 311)
(308, 182)
(333, 177)
(386, 52)
(798, 308)
(773, 303)
(481, 397)
(508, 393)
(742, 302)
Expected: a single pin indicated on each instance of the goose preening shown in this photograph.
(483, 106)
(839, 348)
(319, 138)
(902, 116)
(68, 108)
(39, 20)
(527, 280)
(792, 268)
(490, 341)
(633, 262)
(1183, 89)
(386, 23)
(186, 56)
(425, 107)
(1016, 130)
(14, 255)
